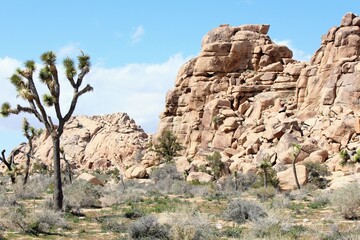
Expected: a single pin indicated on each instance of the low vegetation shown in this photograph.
(237, 207)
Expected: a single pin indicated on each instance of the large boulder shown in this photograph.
(287, 178)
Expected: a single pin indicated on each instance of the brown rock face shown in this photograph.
(97, 142)
(243, 93)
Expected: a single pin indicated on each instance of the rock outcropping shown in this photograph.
(245, 96)
(97, 142)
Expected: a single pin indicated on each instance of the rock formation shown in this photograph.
(98, 142)
(245, 96)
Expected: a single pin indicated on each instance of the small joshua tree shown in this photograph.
(264, 166)
(10, 165)
(168, 146)
(24, 83)
(215, 163)
(295, 154)
(29, 132)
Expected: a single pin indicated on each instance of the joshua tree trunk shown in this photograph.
(68, 168)
(8, 164)
(28, 156)
(58, 194)
(295, 173)
(265, 177)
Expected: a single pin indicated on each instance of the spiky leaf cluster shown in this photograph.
(17, 81)
(48, 58)
(30, 64)
(45, 75)
(69, 67)
(49, 100)
(84, 61)
(5, 109)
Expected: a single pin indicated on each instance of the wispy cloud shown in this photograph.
(298, 53)
(138, 34)
(71, 50)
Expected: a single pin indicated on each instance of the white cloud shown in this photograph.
(138, 89)
(138, 34)
(298, 53)
(71, 50)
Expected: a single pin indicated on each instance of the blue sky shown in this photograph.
(137, 46)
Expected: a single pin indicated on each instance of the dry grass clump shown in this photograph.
(188, 224)
(346, 201)
(34, 188)
(241, 210)
(148, 227)
(81, 194)
(43, 220)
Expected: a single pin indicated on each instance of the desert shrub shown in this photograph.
(276, 225)
(115, 194)
(216, 165)
(240, 211)
(13, 218)
(301, 194)
(345, 157)
(350, 233)
(167, 147)
(81, 194)
(168, 171)
(6, 199)
(320, 201)
(232, 232)
(264, 193)
(346, 200)
(148, 227)
(45, 221)
(113, 225)
(317, 173)
(279, 202)
(133, 212)
(237, 183)
(190, 226)
(272, 179)
(34, 188)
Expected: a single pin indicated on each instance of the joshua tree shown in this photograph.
(9, 163)
(24, 83)
(265, 165)
(295, 153)
(29, 132)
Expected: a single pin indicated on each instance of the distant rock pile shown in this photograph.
(246, 97)
(98, 142)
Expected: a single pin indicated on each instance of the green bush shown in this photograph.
(216, 165)
(167, 147)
